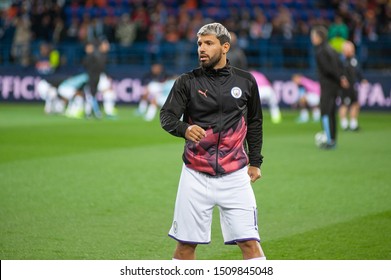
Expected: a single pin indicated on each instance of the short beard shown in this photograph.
(212, 63)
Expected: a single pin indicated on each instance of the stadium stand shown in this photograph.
(164, 30)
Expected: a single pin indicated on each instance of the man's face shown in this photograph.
(89, 48)
(348, 49)
(315, 39)
(210, 51)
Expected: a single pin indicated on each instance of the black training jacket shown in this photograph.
(330, 69)
(352, 71)
(226, 104)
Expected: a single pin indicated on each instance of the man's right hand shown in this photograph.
(195, 133)
(344, 82)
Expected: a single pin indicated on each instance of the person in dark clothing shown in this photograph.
(95, 64)
(331, 79)
(217, 110)
(349, 97)
(236, 55)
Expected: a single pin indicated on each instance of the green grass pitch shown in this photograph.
(89, 189)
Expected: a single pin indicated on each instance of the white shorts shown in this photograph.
(66, 92)
(266, 93)
(104, 83)
(312, 99)
(155, 90)
(197, 195)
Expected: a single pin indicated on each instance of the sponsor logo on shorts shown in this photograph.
(175, 227)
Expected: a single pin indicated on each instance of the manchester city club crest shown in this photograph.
(236, 92)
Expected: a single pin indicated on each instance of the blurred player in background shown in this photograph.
(48, 59)
(236, 55)
(237, 58)
(331, 79)
(109, 97)
(166, 88)
(95, 63)
(157, 96)
(47, 91)
(152, 88)
(268, 95)
(69, 94)
(71, 89)
(349, 96)
(309, 98)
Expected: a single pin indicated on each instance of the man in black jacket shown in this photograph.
(222, 116)
(331, 79)
(349, 97)
(94, 62)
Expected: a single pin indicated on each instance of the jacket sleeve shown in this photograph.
(174, 108)
(330, 64)
(359, 73)
(254, 135)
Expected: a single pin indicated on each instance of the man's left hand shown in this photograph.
(254, 173)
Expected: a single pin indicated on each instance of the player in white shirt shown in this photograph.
(71, 90)
(106, 88)
(309, 98)
(157, 95)
(152, 83)
(267, 94)
(48, 92)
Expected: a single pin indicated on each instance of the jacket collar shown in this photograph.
(225, 71)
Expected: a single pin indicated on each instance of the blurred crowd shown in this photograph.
(124, 22)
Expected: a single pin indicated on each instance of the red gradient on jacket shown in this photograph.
(231, 154)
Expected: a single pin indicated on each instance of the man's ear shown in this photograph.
(226, 47)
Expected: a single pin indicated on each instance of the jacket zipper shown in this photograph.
(220, 125)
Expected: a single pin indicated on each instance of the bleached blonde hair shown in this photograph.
(217, 29)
